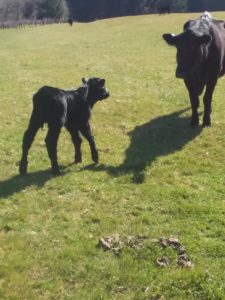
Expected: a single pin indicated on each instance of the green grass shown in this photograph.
(157, 176)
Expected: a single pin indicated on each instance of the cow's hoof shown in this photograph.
(78, 160)
(206, 121)
(194, 124)
(206, 124)
(55, 172)
(23, 169)
(194, 120)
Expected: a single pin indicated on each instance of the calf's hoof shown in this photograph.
(95, 157)
(23, 169)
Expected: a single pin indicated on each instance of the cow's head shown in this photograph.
(96, 89)
(191, 51)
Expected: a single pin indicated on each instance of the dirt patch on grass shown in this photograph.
(182, 256)
(115, 243)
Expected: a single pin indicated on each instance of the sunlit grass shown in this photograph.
(157, 176)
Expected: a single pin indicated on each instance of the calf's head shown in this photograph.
(96, 89)
(191, 51)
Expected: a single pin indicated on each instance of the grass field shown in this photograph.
(157, 176)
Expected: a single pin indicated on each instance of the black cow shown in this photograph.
(70, 21)
(200, 60)
(57, 108)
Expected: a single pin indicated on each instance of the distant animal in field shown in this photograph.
(70, 21)
(58, 108)
(164, 9)
(200, 60)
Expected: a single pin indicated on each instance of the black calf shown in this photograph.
(58, 108)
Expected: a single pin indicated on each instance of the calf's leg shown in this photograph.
(51, 144)
(77, 141)
(87, 133)
(28, 139)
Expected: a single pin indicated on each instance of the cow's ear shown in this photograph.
(205, 39)
(170, 38)
(186, 25)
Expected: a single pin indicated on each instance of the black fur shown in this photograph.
(57, 108)
(200, 60)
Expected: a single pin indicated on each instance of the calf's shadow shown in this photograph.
(18, 183)
(161, 136)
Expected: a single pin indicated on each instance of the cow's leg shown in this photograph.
(28, 139)
(207, 99)
(194, 99)
(194, 106)
(87, 133)
(51, 144)
(77, 141)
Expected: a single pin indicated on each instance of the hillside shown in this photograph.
(157, 176)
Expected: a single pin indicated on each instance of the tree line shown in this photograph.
(210, 5)
(89, 10)
(17, 10)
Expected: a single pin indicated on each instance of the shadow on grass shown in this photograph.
(18, 183)
(161, 136)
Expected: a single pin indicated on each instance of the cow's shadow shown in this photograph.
(18, 183)
(161, 136)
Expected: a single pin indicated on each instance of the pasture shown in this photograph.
(157, 176)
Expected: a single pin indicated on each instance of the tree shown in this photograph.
(179, 5)
(195, 5)
(213, 5)
(52, 9)
(6, 9)
(28, 9)
(32, 9)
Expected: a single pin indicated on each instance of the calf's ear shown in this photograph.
(170, 38)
